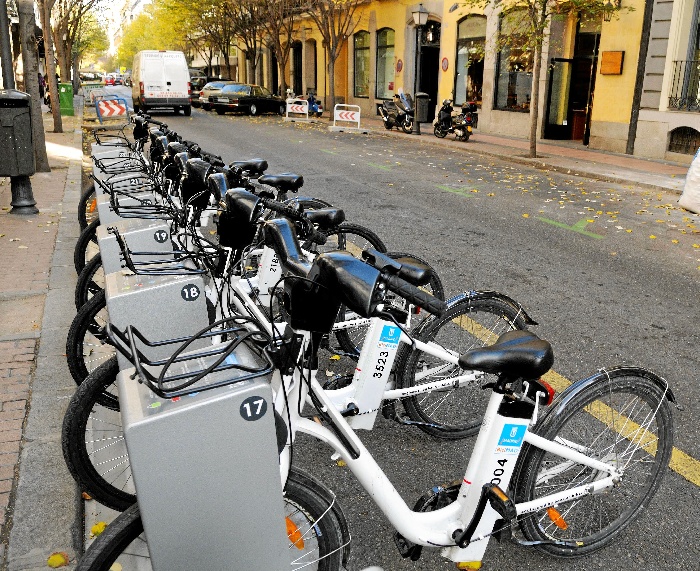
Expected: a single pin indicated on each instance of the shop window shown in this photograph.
(362, 64)
(684, 140)
(514, 64)
(385, 63)
(469, 73)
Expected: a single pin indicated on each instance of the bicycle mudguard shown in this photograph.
(466, 297)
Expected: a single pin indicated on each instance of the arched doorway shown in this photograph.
(430, 63)
(297, 76)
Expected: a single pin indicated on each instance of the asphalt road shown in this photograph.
(610, 272)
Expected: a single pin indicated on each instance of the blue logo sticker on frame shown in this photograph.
(390, 334)
(512, 435)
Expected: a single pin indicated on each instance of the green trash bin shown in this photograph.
(65, 98)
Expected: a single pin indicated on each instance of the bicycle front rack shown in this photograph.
(236, 354)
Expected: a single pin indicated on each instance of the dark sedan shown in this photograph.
(251, 99)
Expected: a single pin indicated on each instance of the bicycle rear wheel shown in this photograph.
(454, 412)
(307, 513)
(620, 416)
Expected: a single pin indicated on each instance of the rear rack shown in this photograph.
(238, 349)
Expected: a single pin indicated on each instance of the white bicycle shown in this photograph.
(572, 473)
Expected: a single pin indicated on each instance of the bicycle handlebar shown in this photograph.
(415, 295)
(307, 230)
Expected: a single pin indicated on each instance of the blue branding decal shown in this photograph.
(390, 334)
(512, 435)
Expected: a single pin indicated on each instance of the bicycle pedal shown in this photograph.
(501, 503)
(407, 548)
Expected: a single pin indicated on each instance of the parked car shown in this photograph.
(109, 80)
(211, 89)
(251, 99)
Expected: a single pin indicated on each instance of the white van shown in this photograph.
(161, 79)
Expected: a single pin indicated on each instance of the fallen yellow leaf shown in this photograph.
(652, 237)
(98, 528)
(58, 559)
(526, 216)
(335, 357)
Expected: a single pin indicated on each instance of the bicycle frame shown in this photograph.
(493, 460)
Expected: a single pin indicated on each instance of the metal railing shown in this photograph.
(685, 86)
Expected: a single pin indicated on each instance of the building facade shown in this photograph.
(592, 88)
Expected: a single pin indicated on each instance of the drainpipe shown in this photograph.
(639, 81)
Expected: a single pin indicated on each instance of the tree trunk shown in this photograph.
(75, 64)
(331, 83)
(45, 14)
(30, 62)
(62, 55)
(535, 100)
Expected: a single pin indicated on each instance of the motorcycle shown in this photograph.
(398, 113)
(461, 124)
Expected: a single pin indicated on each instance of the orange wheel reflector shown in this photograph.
(293, 533)
(92, 206)
(556, 518)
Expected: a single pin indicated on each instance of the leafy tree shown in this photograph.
(335, 20)
(528, 26)
(91, 41)
(153, 29)
(278, 18)
(45, 7)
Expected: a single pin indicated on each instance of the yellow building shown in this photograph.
(591, 87)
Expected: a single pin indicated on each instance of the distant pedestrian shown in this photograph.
(42, 85)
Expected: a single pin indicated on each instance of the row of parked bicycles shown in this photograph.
(207, 295)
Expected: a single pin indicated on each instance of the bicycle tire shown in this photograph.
(86, 246)
(86, 344)
(93, 440)
(90, 281)
(453, 413)
(123, 538)
(592, 415)
(87, 207)
(351, 340)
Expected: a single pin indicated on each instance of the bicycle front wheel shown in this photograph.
(87, 207)
(87, 345)
(621, 417)
(90, 281)
(457, 410)
(307, 513)
(93, 440)
(86, 246)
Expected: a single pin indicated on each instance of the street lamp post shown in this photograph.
(420, 19)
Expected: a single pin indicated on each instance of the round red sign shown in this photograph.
(444, 64)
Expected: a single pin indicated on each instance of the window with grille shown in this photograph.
(684, 140)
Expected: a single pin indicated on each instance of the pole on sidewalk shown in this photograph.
(20, 186)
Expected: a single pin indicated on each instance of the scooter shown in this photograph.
(398, 113)
(461, 124)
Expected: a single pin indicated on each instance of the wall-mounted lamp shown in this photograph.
(609, 8)
(453, 7)
(420, 16)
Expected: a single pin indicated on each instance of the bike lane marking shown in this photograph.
(681, 462)
(579, 227)
(462, 190)
(377, 166)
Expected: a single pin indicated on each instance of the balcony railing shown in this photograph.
(685, 86)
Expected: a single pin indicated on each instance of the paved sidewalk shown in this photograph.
(40, 508)
(564, 156)
(38, 505)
